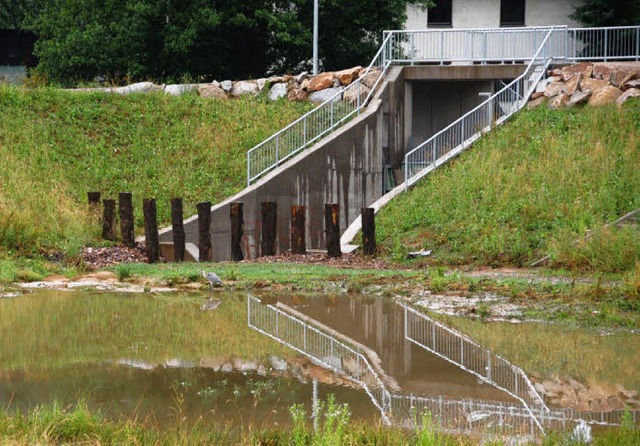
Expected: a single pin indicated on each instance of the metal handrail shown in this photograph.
(481, 362)
(464, 131)
(313, 125)
(482, 45)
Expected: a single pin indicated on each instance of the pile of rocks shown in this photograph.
(594, 397)
(302, 87)
(589, 83)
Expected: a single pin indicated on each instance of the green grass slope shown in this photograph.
(532, 187)
(55, 146)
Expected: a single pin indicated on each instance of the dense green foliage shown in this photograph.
(532, 187)
(55, 146)
(607, 12)
(167, 39)
(16, 14)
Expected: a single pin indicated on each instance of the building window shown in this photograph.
(512, 12)
(440, 14)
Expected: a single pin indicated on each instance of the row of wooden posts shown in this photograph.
(268, 237)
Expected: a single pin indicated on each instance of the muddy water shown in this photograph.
(379, 325)
(157, 356)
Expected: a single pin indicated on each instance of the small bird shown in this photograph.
(212, 278)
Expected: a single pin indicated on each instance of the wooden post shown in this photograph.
(237, 225)
(332, 229)
(94, 199)
(368, 231)
(269, 228)
(125, 211)
(151, 238)
(177, 229)
(109, 219)
(298, 236)
(204, 231)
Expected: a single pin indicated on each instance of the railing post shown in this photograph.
(248, 169)
(441, 47)
(332, 102)
(277, 148)
(304, 132)
(606, 43)
(638, 43)
(413, 48)
(384, 49)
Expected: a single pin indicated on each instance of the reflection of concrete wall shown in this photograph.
(486, 14)
(346, 168)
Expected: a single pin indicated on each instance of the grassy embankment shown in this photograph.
(533, 187)
(55, 146)
(54, 425)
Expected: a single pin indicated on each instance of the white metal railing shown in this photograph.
(317, 123)
(499, 45)
(470, 356)
(402, 409)
(612, 43)
(322, 348)
(463, 132)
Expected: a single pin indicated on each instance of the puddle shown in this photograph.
(154, 356)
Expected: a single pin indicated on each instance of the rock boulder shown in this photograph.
(603, 96)
(320, 82)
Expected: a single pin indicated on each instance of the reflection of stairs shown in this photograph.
(308, 337)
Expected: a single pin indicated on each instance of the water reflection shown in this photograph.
(340, 338)
(379, 324)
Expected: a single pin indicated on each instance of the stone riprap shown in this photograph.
(589, 83)
(301, 87)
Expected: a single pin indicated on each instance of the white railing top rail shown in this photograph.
(480, 30)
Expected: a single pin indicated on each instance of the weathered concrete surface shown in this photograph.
(463, 72)
(345, 167)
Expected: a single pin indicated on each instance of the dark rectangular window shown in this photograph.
(440, 14)
(512, 12)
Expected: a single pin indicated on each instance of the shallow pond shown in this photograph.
(161, 357)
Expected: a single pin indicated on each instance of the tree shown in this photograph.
(205, 39)
(15, 14)
(596, 13)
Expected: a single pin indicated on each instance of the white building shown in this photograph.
(491, 14)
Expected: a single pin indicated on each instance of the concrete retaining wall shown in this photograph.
(345, 167)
